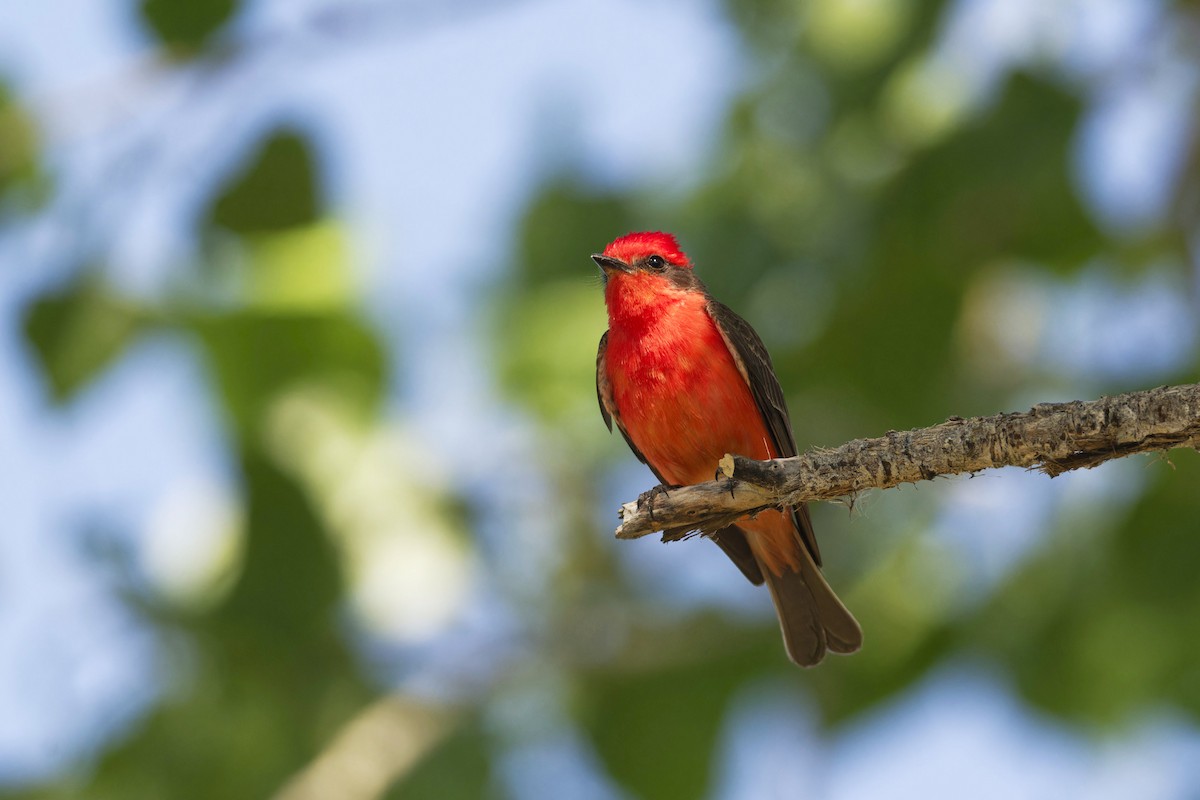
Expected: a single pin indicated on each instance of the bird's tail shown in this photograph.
(811, 616)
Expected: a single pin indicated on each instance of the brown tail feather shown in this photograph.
(811, 616)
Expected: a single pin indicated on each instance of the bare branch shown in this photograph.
(1050, 437)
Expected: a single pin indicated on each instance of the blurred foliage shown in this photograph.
(1103, 617)
(276, 191)
(186, 27)
(999, 189)
(78, 332)
(20, 172)
(458, 768)
(255, 357)
(268, 679)
(858, 217)
(656, 730)
(551, 324)
(268, 675)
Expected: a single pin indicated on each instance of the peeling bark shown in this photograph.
(1051, 437)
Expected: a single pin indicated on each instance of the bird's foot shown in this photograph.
(729, 482)
(647, 498)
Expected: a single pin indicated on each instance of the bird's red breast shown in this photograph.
(682, 399)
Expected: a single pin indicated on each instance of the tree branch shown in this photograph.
(1051, 437)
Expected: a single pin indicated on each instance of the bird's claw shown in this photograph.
(729, 482)
(647, 498)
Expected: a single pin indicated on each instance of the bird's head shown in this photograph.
(653, 252)
(643, 271)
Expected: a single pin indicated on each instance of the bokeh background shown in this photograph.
(305, 491)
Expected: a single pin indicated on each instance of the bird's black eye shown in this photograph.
(656, 263)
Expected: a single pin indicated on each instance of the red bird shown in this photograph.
(687, 381)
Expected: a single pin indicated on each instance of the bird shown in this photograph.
(686, 380)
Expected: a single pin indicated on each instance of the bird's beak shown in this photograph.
(609, 264)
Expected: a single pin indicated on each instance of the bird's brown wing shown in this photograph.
(753, 361)
(731, 539)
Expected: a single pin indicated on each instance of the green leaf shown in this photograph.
(657, 731)
(275, 190)
(186, 25)
(20, 172)
(256, 357)
(78, 332)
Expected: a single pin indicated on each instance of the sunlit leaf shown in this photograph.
(851, 34)
(303, 269)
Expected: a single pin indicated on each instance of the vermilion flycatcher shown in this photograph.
(687, 381)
